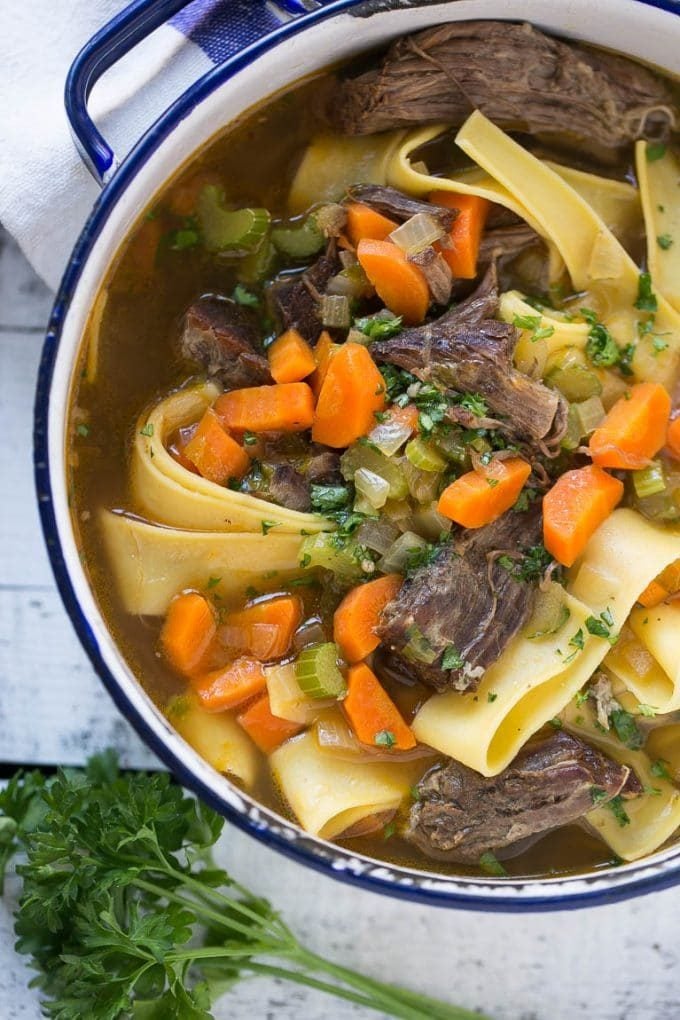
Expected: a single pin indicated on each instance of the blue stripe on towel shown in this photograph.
(223, 27)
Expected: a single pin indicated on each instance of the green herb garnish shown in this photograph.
(452, 659)
(646, 298)
(242, 296)
(379, 328)
(326, 498)
(654, 151)
(489, 863)
(147, 430)
(615, 805)
(664, 241)
(626, 729)
(384, 738)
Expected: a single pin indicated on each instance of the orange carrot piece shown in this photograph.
(324, 350)
(653, 594)
(264, 630)
(265, 729)
(364, 223)
(480, 497)
(352, 391)
(634, 429)
(466, 233)
(230, 685)
(357, 616)
(291, 359)
(408, 416)
(399, 283)
(217, 456)
(188, 631)
(284, 407)
(143, 248)
(374, 717)
(575, 507)
(673, 438)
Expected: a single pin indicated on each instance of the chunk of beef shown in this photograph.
(465, 599)
(437, 272)
(519, 77)
(394, 203)
(223, 337)
(295, 302)
(506, 242)
(323, 467)
(288, 488)
(467, 352)
(459, 815)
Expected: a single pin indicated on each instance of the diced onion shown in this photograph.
(568, 372)
(418, 233)
(287, 700)
(590, 414)
(335, 736)
(389, 436)
(429, 523)
(397, 557)
(423, 485)
(335, 311)
(377, 535)
(650, 481)
(371, 485)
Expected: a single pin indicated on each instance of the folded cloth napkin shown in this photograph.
(45, 191)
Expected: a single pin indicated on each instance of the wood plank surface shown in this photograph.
(620, 962)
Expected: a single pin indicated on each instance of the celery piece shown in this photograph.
(299, 241)
(317, 672)
(424, 456)
(650, 481)
(361, 455)
(230, 230)
(567, 371)
(324, 550)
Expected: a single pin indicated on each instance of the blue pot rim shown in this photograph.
(507, 895)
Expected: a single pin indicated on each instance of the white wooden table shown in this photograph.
(609, 963)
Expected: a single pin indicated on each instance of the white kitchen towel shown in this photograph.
(45, 191)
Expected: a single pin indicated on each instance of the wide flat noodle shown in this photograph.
(151, 564)
(217, 737)
(595, 259)
(617, 203)
(164, 491)
(660, 193)
(535, 679)
(332, 163)
(646, 658)
(530, 355)
(654, 815)
(329, 795)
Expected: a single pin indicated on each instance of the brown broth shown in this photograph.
(256, 158)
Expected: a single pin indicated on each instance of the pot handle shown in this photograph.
(114, 40)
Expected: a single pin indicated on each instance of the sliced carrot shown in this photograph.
(324, 350)
(374, 717)
(673, 438)
(230, 685)
(291, 359)
(408, 416)
(214, 453)
(358, 614)
(399, 283)
(143, 248)
(265, 729)
(264, 630)
(352, 391)
(575, 507)
(365, 223)
(466, 233)
(480, 497)
(634, 429)
(188, 631)
(284, 407)
(653, 594)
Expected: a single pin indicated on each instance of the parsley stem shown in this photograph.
(198, 908)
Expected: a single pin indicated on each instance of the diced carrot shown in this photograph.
(480, 497)
(265, 729)
(408, 416)
(230, 685)
(217, 456)
(653, 594)
(284, 407)
(466, 233)
(143, 248)
(357, 616)
(188, 631)
(634, 429)
(575, 507)
(324, 350)
(364, 223)
(673, 438)
(670, 577)
(183, 198)
(264, 630)
(373, 715)
(400, 284)
(291, 359)
(352, 391)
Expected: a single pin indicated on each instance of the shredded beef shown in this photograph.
(223, 338)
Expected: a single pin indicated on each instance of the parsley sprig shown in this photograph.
(124, 913)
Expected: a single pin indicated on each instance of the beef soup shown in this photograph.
(374, 458)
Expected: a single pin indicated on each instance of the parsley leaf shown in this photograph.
(489, 863)
(529, 567)
(601, 626)
(646, 298)
(664, 241)
(268, 525)
(379, 327)
(384, 738)
(615, 805)
(326, 498)
(242, 296)
(147, 430)
(654, 151)
(659, 768)
(452, 659)
(626, 729)
(601, 348)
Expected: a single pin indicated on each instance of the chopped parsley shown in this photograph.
(533, 323)
(422, 556)
(213, 582)
(147, 430)
(389, 830)
(647, 710)
(626, 729)
(242, 296)
(185, 237)
(83, 430)
(384, 738)
(659, 768)
(598, 795)
(646, 298)
(615, 805)
(578, 641)
(452, 659)
(473, 403)
(531, 566)
(601, 348)
(268, 525)
(654, 151)
(658, 345)
(664, 241)
(491, 697)
(489, 863)
(556, 723)
(251, 592)
(379, 327)
(581, 697)
(249, 438)
(492, 482)
(627, 353)
(327, 498)
(601, 626)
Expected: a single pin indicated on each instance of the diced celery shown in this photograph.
(424, 456)
(567, 371)
(323, 550)
(372, 486)
(572, 437)
(317, 671)
(231, 230)
(418, 648)
(452, 445)
(397, 557)
(362, 456)
(650, 481)
(590, 414)
(429, 523)
(300, 240)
